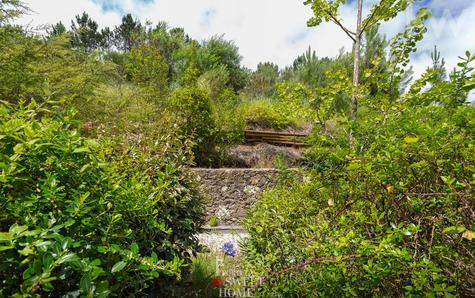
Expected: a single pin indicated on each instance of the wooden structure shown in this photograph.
(275, 138)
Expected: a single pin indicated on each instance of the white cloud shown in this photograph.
(271, 30)
(48, 12)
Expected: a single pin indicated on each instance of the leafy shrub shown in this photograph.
(291, 108)
(229, 125)
(76, 222)
(121, 111)
(192, 107)
(264, 113)
(147, 68)
(33, 68)
(390, 216)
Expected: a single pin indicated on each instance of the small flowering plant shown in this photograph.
(229, 249)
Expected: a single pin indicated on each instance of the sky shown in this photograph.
(271, 30)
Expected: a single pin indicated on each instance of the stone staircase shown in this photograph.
(230, 192)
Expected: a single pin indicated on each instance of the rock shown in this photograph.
(264, 155)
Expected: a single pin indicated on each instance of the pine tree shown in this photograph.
(85, 34)
(438, 65)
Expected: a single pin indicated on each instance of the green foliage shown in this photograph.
(56, 30)
(76, 222)
(262, 82)
(402, 45)
(392, 211)
(218, 51)
(85, 35)
(450, 93)
(213, 221)
(290, 108)
(264, 113)
(229, 123)
(148, 69)
(215, 81)
(31, 68)
(126, 34)
(192, 107)
(11, 9)
(203, 269)
(438, 65)
(327, 11)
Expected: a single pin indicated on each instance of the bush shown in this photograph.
(149, 70)
(265, 113)
(75, 222)
(291, 108)
(192, 107)
(391, 217)
(33, 68)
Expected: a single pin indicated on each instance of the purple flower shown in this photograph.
(229, 249)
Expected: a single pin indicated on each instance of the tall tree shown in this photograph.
(438, 65)
(56, 30)
(218, 51)
(310, 70)
(10, 9)
(127, 32)
(85, 33)
(328, 11)
(262, 82)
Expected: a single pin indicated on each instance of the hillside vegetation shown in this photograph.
(99, 127)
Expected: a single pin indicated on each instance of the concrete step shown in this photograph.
(215, 237)
(224, 229)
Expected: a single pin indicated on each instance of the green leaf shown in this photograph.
(96, 262)
(47, 260)
(81, 150)
(26, 251)
(84, 168)
(69, 222)
(354, 165)
(118, 266)
(16, 229)
(134, 248)
(6, 236)
(85, 283)
(411, 139)
(454, 230)
(101, 249)
(67, 258)
(2, 248)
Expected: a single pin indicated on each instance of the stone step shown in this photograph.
(215, 237)
(224, 228)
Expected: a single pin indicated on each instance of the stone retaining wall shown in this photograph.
(234, 190)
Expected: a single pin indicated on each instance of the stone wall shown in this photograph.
(234, 190)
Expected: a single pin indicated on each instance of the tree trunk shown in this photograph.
(356, 62)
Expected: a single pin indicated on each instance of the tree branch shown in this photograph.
(350, 34)
(368, 20)
(302, 266)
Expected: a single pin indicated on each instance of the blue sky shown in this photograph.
(271, 30)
